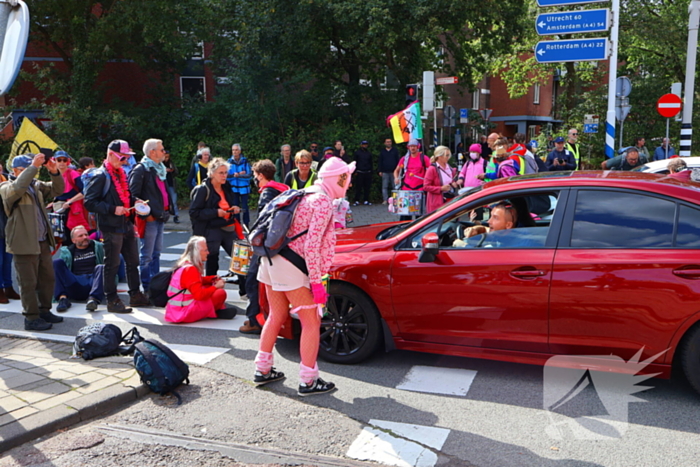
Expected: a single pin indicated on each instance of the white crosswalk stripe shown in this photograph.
(435, 380)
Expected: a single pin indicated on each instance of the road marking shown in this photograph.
(398, 447)
(197, 354)
(179, 246)
(169, 256)
(448, 381)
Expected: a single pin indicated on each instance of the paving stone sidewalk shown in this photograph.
(43, 389)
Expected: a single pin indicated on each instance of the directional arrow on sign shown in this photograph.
(574, 50)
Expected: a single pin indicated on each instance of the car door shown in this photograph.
(625, 273)
(495, 297)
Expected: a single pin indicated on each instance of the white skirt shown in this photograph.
(282, 276)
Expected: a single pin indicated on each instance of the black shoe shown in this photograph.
(51, 318)
(37, 325)
(63, 304)
(92, 304)
(139, 299)
(264, 378)
(117, 306)
(317, 387)
(227, 313)
(176, 219)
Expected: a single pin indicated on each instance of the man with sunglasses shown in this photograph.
(573, 146)
(107, 194)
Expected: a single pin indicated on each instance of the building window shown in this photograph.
(475, 99)
(536, 99)
(192, 87)
(532, 132)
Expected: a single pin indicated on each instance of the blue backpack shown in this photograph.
(159, 368)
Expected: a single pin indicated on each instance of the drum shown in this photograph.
(143, 210)
(240, 258)
(407, 202)
(58, 227)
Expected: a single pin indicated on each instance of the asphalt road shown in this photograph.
(482, 413)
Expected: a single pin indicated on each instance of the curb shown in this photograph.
(77, 410)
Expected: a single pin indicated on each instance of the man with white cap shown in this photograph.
(107, 194)
(287, 284)
(29, 238)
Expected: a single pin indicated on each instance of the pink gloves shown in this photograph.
(320, 294)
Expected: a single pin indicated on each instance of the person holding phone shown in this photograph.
(29, 238)
(560, 158)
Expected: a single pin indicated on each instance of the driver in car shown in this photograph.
(503, 217)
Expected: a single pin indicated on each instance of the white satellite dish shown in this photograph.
(14, 33)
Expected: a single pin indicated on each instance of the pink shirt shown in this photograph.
(164, 192)
(415, 172)
(317, 246)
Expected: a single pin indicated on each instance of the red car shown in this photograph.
(597, 263)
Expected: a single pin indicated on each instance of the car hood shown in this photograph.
(352, 238)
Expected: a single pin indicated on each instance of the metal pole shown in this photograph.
(667, 143)
(435, 135)
(612, 78)
(687, 123)
(622, 127)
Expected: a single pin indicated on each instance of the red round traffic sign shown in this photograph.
(669, 105)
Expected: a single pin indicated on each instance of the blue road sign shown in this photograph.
(463, 113)
(574, 50)
(565, 2)
(590, 128)
(573, 22)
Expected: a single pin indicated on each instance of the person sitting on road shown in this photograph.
(678, 169)
(628, 161)
(78, 269)
(194, 296)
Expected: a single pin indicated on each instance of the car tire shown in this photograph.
(690, 357)
(351, 330)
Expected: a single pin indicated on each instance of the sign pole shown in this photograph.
(667, 143)
(612, 78)
(686, 125)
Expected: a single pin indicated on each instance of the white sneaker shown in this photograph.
(244, 298)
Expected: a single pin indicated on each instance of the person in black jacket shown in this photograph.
(147, 181)
(264, 176)
(212, 213)
(107, 194)
(363, 174)
(388, 160)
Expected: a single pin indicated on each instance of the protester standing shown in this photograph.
(664, 151)
(439, 179)
(171, 173)
(198, 172)
(303, 176)
(388, 160)
(7, 292)
(239, 173)
(284, 163)
(29, 238)
(363, 174)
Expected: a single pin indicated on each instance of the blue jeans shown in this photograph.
(5, 266)
(151, 245)
(77, 287)
(242, 202)
(173, 198)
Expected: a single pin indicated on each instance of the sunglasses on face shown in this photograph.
(61, 159)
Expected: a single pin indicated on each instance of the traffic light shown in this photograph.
(411, 94)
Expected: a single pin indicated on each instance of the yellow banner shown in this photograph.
(30, 139)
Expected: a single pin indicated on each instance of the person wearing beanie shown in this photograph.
(286, 284)
(29, 238)
(474, 166)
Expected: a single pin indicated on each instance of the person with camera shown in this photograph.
(107, 194)
(213, 211)
(29, 238)
(440, 184)
(560, 158)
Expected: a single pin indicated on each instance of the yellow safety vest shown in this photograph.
(575, 151)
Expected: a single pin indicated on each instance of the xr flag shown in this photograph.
(30, 139)
(406, 124)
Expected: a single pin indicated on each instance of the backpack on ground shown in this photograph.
(268, 236)
(159, 368)
(104, 340)
(158, 288)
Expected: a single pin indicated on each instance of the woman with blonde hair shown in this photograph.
(303, 176)
(192, 295)
(439, 184)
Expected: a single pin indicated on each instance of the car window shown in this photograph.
(611, 219)
(491, 224)
(688, 235)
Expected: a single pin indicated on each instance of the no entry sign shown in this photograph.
(669, 105)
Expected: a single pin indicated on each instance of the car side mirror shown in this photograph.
(430, 246)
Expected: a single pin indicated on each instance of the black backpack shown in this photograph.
(159, 368)
(268, 236)
(104, 340)
(158, 288)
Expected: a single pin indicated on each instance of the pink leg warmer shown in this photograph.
(263, 361)
(308, 375)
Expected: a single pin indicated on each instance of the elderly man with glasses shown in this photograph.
(107, 194)
(573, 146)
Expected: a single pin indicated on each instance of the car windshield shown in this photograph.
(397, 229)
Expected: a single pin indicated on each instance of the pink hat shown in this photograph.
(120, 146)
(334, 177)
(335, 166)
(476, 147)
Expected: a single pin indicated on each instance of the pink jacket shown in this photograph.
(433, 188)
(317, 246)
(470, 171)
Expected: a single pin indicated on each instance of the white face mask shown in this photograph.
(474, 155)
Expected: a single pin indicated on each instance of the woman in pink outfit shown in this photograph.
(475, 166)
(286, 284)
(439, 179)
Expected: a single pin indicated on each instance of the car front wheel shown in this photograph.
(690, 357)
(351, 330)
